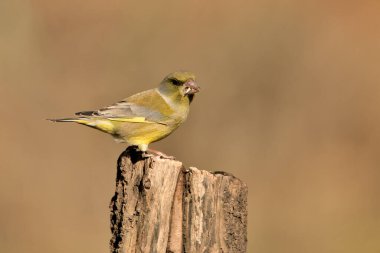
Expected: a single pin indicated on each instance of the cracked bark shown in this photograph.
(160, 206)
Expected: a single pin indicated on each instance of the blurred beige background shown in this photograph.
(289, 103)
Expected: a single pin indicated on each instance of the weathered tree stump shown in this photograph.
(160, 206)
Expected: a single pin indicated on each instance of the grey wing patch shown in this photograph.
(125, 109)
(120, 109)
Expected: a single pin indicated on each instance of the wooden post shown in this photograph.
(160, 206)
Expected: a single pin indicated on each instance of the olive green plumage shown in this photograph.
(147, 116)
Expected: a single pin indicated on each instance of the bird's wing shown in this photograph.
(147, 106)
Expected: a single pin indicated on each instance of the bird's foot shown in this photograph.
(152, 152)
(146, 154)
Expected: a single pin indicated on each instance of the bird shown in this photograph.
(145, 117)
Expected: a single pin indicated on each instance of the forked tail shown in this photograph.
(66, 120)
(104, 125)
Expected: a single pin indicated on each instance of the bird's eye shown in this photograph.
(176, 82)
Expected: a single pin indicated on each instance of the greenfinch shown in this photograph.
(145, 117)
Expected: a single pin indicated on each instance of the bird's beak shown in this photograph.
(191, 87)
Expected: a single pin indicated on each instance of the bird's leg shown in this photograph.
(153, 152)
(146, 154)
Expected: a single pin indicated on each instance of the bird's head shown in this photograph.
(182, 83)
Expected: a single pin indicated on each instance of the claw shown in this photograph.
(153, 152)
(146, 154)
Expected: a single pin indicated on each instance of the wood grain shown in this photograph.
(159, 206)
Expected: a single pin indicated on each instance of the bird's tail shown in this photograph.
(77, 120)
(104, 125)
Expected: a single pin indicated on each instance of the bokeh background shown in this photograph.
(289, 103)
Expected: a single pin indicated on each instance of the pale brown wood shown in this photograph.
(160, 206)
(175, 237)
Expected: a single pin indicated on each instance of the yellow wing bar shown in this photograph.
(135, 120)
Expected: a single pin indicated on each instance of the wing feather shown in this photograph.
(147, 106)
